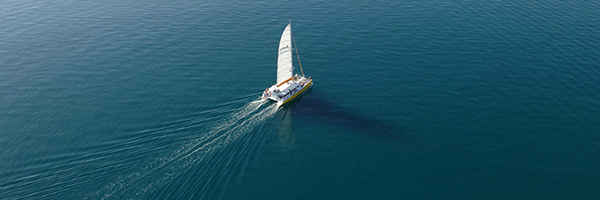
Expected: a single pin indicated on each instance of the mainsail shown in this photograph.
(284, 61)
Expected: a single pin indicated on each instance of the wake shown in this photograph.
(191, 153)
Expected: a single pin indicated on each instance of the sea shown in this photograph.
(412, 99)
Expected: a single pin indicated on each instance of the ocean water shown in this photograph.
(412, 99)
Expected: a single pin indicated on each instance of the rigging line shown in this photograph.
(297, 55)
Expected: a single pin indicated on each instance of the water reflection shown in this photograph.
(284, 130)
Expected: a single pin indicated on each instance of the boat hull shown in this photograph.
(304, 89)
(287, 91)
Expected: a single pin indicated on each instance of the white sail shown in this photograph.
(284, 61)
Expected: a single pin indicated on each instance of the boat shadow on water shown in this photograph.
(315, 107)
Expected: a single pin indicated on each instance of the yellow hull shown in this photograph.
(279, 104)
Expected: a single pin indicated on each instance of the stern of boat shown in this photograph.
(265, 94)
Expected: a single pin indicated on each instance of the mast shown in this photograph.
(297, 54)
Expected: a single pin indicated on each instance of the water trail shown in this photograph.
(206, 116)
(191, 153)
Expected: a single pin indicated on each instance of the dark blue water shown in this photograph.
(412, 100)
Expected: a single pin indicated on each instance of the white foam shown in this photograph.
(191, 153)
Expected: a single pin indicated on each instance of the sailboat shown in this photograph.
(288, 86)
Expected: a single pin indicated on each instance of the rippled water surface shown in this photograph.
(412, 100)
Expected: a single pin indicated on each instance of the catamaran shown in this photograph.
(288, 86)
